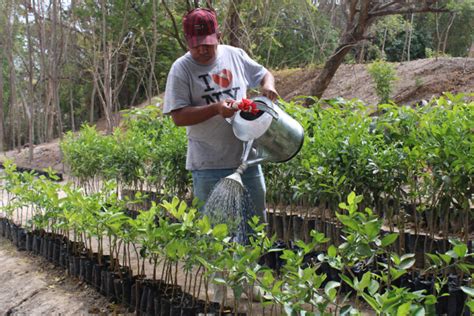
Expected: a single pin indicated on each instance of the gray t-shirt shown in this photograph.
(212, 144)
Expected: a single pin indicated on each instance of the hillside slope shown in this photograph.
(419, 79)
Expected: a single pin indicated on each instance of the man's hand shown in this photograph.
(269, 92)
(268, 87)
(224, 109)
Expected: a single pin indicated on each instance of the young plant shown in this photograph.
(383, 74)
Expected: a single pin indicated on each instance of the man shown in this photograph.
(200, 88)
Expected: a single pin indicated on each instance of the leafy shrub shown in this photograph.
(383, 74)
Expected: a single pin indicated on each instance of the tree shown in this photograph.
(2, 136)
(360, 15)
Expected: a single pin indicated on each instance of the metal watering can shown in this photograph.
(271, 134)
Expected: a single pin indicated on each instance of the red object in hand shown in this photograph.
(245, 105)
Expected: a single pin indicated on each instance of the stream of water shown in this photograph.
(230, 203)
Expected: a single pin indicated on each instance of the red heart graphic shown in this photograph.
(223, 79)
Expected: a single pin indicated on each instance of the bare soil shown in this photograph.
(417, 80)
(29, 288)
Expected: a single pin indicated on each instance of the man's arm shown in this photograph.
(191, 115)
(268, 86)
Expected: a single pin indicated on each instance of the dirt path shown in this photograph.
(31, 286)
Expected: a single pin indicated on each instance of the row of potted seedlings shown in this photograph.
(116, 282)
(289, 227)
(411, 164)
(104, 273)
(296, 277)
(66, 230)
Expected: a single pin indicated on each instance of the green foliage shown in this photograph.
(182, 235)
(383, 74)
(150, 149)
(285, 34)
(385, 158)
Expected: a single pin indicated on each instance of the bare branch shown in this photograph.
(404, 9)
(175, 26)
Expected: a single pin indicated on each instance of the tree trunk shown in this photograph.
(2, 118)
(329, 69)
(232, 26)
(448, 28)
(357, 24)
(92, 104)
(152, 82)
(438, 36)
(13, 114)
(31, 93)
(57, 48)
(44, 106)
(384, 41)
(2, 114)
(410, 30)
(71, 110)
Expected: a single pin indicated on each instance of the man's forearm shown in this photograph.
(192, 115)
(268, 80)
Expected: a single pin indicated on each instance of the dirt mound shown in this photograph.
(417, 80)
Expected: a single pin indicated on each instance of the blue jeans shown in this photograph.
(205, 180)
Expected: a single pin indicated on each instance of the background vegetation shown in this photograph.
(68, 62)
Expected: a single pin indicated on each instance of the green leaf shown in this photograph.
(220, 231)
(468, 290)
(332, 251)
(182, 207)
(365, 281)
(446, 258)
(470, 304)
(389, 239)
(343, 206)
(372, 228)
(346, 279)
(465, 267)
(373, 287)
(434, 258)
(460, 250)
(348, 221)
(346, 310)
(419, 311)
(268, 279)
(330, 289)
(372, 302)
(218, 281)
(396, 273)
(404, 309)
(430, 299)
(351, 198)
(407, 263)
